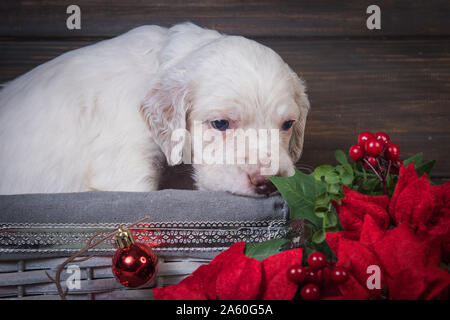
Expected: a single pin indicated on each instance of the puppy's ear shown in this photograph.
(169, 99)
(165, 109)
(298, 132)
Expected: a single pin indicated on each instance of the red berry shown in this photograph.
(363, 137)
(310, 292)
(373, 147)
(317, 260)
(311, 275)
(392, 151)
(296, 273)
(356, 153)
(372, 161)
(339, 274)
(383, 138)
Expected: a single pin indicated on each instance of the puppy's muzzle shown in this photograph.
(262, 184)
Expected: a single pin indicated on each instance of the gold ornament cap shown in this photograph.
(123, 237)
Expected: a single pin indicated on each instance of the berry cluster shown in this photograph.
(318, 273)
(375, 151)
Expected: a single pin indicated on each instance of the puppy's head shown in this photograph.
(231, 107)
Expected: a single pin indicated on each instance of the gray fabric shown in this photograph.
(213, 219)
(118, 207)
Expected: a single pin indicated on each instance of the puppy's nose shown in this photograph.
(262, 184)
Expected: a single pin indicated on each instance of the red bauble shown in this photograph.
(135, 265)
(356, 153)
(363, 137)
(317, 260)
(383, 138)
(373, 147)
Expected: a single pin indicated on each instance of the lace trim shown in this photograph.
(162, 236)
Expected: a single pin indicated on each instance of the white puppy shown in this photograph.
(102, 117)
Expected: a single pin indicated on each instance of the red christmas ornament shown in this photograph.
(134, 264)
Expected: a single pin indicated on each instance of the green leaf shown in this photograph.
(330, 220)
(335, 188)
(332, 177)
(425, 168)
(262, 250)
(346, 173)
(322, 171)
(300, 192)
(417, 158)
(341, 157)
(325, 249)
(320, 211)
(318, 236)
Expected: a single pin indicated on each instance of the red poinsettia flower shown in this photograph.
(408, 254)
(234, 276)
(409, 267)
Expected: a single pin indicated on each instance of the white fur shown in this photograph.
(100, 117)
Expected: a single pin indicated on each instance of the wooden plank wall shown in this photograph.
(396, 79)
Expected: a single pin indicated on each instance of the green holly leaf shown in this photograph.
(300, 192)
(425, 168)
(262, 250)
(417, 158)
(341, 157)
(318, 236)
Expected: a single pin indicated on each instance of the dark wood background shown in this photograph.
(396, 79)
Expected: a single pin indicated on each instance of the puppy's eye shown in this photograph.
(287, 125)
(220, 125)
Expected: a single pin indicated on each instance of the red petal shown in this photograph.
(207, 275)
(382, 201)
(415, 204)
(406, 259)
(370, 233)
(406, 176)
(236, 250)
(334, 238)
(188, 289)
(239, 279)
(359, 257)
(351, 214)
(276, 285)
(352, 290)
(418, 283)
(441, 195)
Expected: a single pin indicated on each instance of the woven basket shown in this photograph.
(26, 279)
(30, 249)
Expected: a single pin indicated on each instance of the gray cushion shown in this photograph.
(182, 222)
